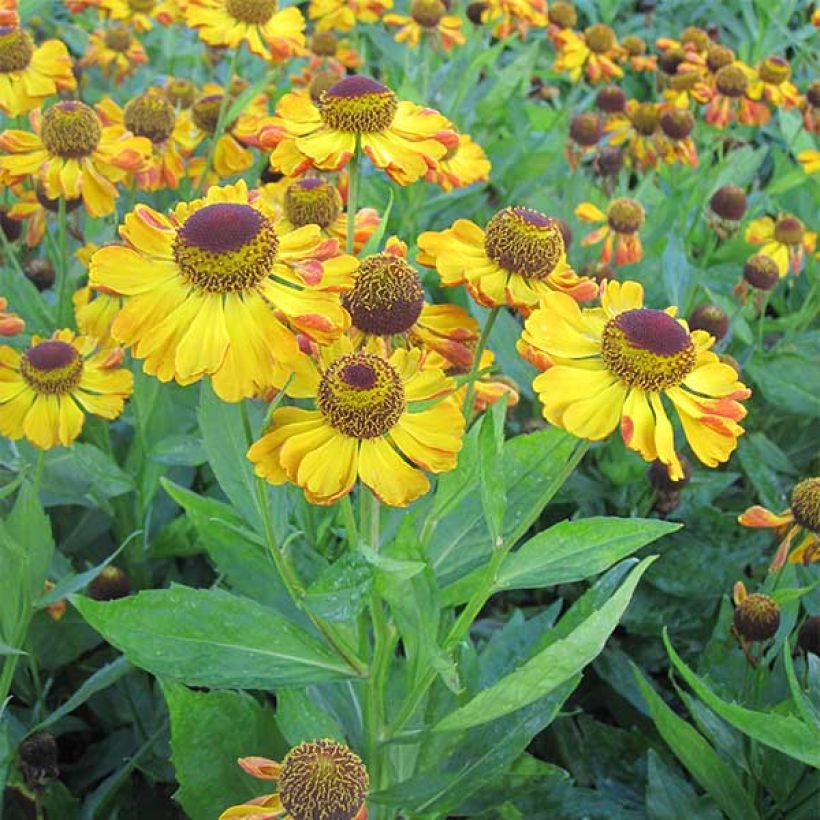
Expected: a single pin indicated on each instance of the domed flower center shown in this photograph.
(226, 247)
(52, 367)
(634, 45)
(205, 112)
(757, 618)
(813, 94)
(611, 99)
(697, 37)
(677, 123)
(806, 504)
(648, 349)
(387, 297)
(761, 272)
(685, 81)
(585, 129)
(719, 57)
(324, 44)
(600, 38)
(774, 70)
(670, 59)
(118, 38)
(729, 202)
(255, 12)
(361, 395)
(427, 13)
(312, 202)
(141, 6)
(181, 93)
(322, 780)
(625, 215)
(524, 241)
(150, 116)
(646, 118)
(562, 15)
(70, 130)
(789, 230)
(358, 105)
(731, 81)
(16, 49)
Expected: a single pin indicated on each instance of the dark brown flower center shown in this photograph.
(226, 247)
(648, 349)
(254, 12)
(141, 6)
(611, 100)
(118, 38)
(205, 112)
(677, 123)
(789, 230)
(625, 215)
(361, 395)
(358, 105)
(525, 242)
(16, 49)
(761, 272)
(52, 367)
(806, 504)
(562, 15)
(634, 45)
(585, 129)
(70, 130)
(731, 81)
(387, 297)
(427, 13)
(729, 202)
(774, 70)
(150, 116)
(312, 202)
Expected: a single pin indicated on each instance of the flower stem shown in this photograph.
(10, 255)
(220, 121)
(353, 195)
(63, 285)
(479, 350)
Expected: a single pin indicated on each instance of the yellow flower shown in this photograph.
(343, 15)
(612, 364)
(364, 422)
(44, 391)
(430, 17)
(516, 261)
(152, 116)
(400, 137)
(269, 33)
(75, 154)
(317, 778)
(213, 289)
(514, 16)
(30, 74)
(801, 517)
(594, 53)
(623, 220)
(638, 129)
(784, 239)
(116, 51)
(462, 165)
(810, 160)
(139, 14)
(772, 83)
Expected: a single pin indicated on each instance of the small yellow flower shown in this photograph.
(785, 239)
(427, 17)
(810, 160)
(462, 165)
(139, 14)
(116, 51)
(342, 15)
(595, 52)
(622, 222)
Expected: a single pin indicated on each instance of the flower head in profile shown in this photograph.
(427, 18)
(515, 261)
(585, 132)
(400, 137)
(635, 49)
(137, 14)
(613, 365)
(46, 391)
(798, 524)
(772, 83)
(620, 232)
(214, 289)
(343, 15)
(269, 32)
(509, 17)
(74, 155)
(637, 130)
(366, 425)
(116, 51)
(674, 142)
(464, 164)
(730, 98)
(784, 238)
(594, 53)
(317, 779)
(329, 56)
(29, 74)
(10, 323)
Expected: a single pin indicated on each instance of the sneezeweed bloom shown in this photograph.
(328, 55)
(637, 130)
(427, 18)
(729, 98)
(756, 617)
(180, 92)
(152, 116)
(30, 74)
(116, 51)
(45, 390)
(362, 427)
(785, 239)
(612, 365)
(810, 160)
(674, 143)
(687, 87)
(317, 779)
(342, 15)
(773, 84)
(585, 132)
(515, 261)
(10, 323)
(75, 155)
(636, 56)
(514, 16)
(462, 165)
(138, 14)
(623, 220)
(595, 53)
(800, 523)
(727, 207)
(400, 137)
(269, 33)
(214, 289)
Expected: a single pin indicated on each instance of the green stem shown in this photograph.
(10, 254)
(760, 320)
(482, 344)
(63, 285)
(220, 121)
(349, 521)
(353, 195)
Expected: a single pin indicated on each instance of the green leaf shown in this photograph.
(340, 592)
(785, 733)
(573, 550)
(699, 758)
(373, 244)
(491, 470)
(232, 723)
(180, 449)
(300, 719)
(551, 667)
(208, 637)
(789, 381)
(670, 797)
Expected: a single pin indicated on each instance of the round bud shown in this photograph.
(761, 272)
(112, 583)
(474, 12)
(611, 100)
(609, 161)
(710, 318)
(11, 227)
(813, 94)
(808, 636)
(757, 618)
(729, 202)
(585, 130)
(40, 272)
(677, 123)
(38, 760)
(562, 15)
(669, 60)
